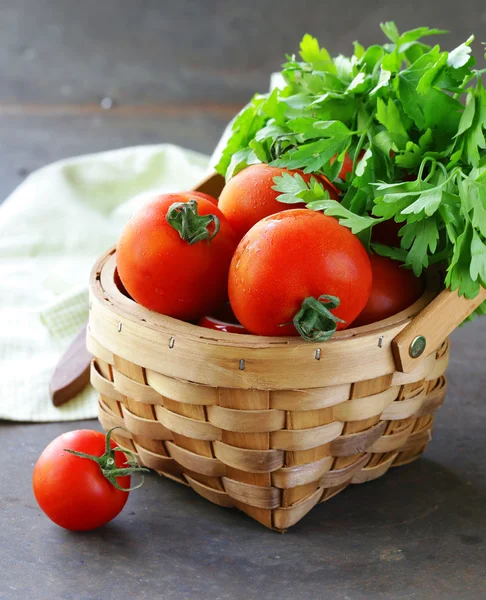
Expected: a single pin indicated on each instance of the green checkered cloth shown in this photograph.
(52, 229)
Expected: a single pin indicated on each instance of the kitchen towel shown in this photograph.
(52, 229)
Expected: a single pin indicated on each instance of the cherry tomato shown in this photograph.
(292, 256)
(394, 289)
(174, 254)
(223, 320)
(71, 490)
(248, 197)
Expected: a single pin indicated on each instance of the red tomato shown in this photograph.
(192, 194)
(72, 491)
(223, 320)
(214, 323)
(248, 197)
(291, 256)
(171, 257)
(347, 166)
(387, 233)
(394, 289)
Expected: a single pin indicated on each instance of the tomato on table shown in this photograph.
(173, 256)
(72, 490)
(288, 271)
(394, 289)
(249, 196)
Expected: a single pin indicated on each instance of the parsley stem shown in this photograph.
(360, 144)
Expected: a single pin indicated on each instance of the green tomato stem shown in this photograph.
(315, 321)
(191, 226)
(108, 466)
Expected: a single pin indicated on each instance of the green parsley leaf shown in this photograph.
(411, 116)
(460, 56)
(478, 259)
(332, 208)
(318, 57)
(389, 116)
(390, 30)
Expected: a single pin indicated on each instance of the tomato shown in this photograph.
(214, 323)
(223, 320)
(248, 197)
(71, 490)
(347, 166)
(394, 289)
(292, 256)
(192, 194)
(387, 233)
(173, 259)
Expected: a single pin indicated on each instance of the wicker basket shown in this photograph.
(271, 426)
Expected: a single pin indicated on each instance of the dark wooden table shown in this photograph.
(177, 72)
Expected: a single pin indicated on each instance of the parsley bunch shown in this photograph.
(416, 117)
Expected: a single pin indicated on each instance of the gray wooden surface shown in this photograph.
(177, 72)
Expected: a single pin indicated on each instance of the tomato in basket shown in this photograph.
(299, 271)
(249, 196)
(192, 194)
(223, 320)
(173, 256)
(347, 166)
(394, 289)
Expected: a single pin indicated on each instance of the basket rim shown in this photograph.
(103, 283)
(196, 355)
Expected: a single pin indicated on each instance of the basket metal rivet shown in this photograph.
(380, 341)
(242, 365)
(171, 342)
(417, 346)
(317, 354)
(119, 328)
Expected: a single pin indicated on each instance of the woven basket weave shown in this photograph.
(271, 426)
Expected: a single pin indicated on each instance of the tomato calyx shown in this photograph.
(315, 321)
(107, 464)
(191, 226)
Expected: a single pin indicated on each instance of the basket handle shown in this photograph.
(434, 323)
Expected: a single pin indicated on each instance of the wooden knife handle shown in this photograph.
(72, 372)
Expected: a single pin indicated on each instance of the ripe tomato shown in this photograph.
(173, 256)
(248, 197)
(223, 320)
(214, 323)
(394, 288)
(292, 256)
(347, 166)
(387, 233)
(190, 194)
(71, 490)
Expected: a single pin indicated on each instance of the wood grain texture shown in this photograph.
(184, 51)
(72, 373)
